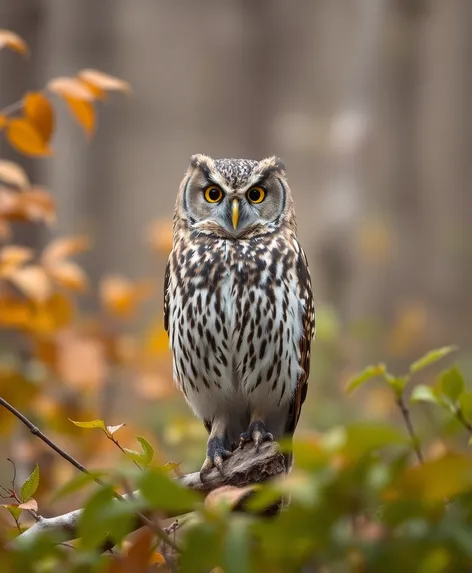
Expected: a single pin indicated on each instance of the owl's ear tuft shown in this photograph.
(201, 161)
(273, 164)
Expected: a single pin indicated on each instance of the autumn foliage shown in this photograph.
(365, 496)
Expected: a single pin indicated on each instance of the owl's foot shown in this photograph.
(216, 455)
(256, 433)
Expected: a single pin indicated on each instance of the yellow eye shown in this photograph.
(255, 194)
(213, 194)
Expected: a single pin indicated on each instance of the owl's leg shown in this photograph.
(216, 449)
(256, 433)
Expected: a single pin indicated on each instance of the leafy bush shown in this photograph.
(366, 496)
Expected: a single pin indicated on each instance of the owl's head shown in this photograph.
(235, 198)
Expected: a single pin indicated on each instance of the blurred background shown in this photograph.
(367, 102)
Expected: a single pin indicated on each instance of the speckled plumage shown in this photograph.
(238, 304)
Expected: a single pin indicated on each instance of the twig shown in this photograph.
(12, 108)
(411, 431)
(461, 418)
(35, 431)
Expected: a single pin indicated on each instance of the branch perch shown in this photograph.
(244, 468)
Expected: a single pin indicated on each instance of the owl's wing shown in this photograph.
(166, 295)
(305, 294)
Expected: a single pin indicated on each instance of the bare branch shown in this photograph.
(244, 468)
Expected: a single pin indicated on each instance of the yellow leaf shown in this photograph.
(30, 504)
(3, 121)
(104, 81)
(14, 42)
(13, 174)
(64, 248)
(25, 138)
(32, 281)
(39, 111)
(427, 482)
(84, 113)
(70, 88)
(92, 424)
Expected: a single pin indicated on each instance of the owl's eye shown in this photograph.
(255, 194)
(213, 194)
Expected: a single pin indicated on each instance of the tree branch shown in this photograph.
(411, 430)
(244, 468)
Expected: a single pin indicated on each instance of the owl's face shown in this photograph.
(234, 198)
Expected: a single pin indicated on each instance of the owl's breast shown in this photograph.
(236, 326)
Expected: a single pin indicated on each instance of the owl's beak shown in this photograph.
(235, 212)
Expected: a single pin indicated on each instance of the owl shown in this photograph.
(238, 304)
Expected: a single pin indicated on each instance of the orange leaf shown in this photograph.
(12, 256)
(68, 275)
(32, 281)
(139, 553)
(14, 313)
(39, 111)
(38, 204)
(70, 88)
(81, 360)
(84, 113)
(5, 231)
(30, 504)
(25, 138)
(13, 174)
(97, 92)
(14, 42)
(3, 121)
(63, 248)
(120, 296)
(104, 81)
(52, 315)
(160, 236)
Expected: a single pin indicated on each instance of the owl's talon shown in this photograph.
(216, 455)
(256, 433)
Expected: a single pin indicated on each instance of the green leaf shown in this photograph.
(31, 485)
(148, 450)
(14, 510)
(452, 383)
(397, 384)
(431, 357)
(78, 482)
(91, 424)
(465, 403)
(105, 517)
(165, 493)
(237, 558)
(364, 376)
(135, 456)
(424, 393)
(363, 437)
